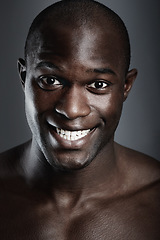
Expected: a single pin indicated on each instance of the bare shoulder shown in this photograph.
(10, 160)
(142, 169)
(140, 193)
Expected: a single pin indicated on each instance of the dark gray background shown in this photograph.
(139, 126)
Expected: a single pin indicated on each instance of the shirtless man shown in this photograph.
(72, 181)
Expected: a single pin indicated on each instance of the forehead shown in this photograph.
(88, 43)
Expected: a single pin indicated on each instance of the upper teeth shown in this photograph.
(72, 135)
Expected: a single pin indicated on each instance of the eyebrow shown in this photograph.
(96, 70)
(47, 64)
(104, 70)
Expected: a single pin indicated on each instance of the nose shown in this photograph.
(73, 104)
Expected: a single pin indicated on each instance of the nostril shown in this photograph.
(73, 109)
(61, 113)
(73, 104)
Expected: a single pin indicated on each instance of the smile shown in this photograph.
(72, 135)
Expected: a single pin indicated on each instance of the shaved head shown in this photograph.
(78, 14)
(76, 79)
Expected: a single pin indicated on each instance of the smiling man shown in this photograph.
(72, 181)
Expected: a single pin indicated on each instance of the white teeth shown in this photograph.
(72, 135)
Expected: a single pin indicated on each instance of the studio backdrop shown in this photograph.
(139, 126)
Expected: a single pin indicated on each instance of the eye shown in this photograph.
(99, 84)
(49, 82)
(99, 87)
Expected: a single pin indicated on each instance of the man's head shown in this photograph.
(75, 78)
(78, 14)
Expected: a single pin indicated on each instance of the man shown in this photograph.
(72, 181)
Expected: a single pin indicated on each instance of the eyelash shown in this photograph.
(99, 82)
(50, 83)
(42, 82)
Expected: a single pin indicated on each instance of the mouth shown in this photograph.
(72, 135)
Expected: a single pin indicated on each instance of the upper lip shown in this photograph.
(70, 128)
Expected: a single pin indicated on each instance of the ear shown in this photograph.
(22, 71)
(130, 78)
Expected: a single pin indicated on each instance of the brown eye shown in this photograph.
(99, 85)
(48, 82)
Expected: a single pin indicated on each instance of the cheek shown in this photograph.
(110, 108)
(38, 103)
(31, 109)
(36, 100)
(35, 104)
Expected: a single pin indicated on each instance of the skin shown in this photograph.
(91, 188)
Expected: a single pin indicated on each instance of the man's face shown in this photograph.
(74, 92)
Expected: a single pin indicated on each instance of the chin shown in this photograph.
(69, 161)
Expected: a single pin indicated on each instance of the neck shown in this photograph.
(100, 175)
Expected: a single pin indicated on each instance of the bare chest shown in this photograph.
(23, 218)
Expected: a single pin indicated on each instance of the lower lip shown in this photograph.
(68, 144)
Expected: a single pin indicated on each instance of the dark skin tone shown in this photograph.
(87, 187)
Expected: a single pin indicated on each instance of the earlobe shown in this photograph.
(22, 71)
(130, 78)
